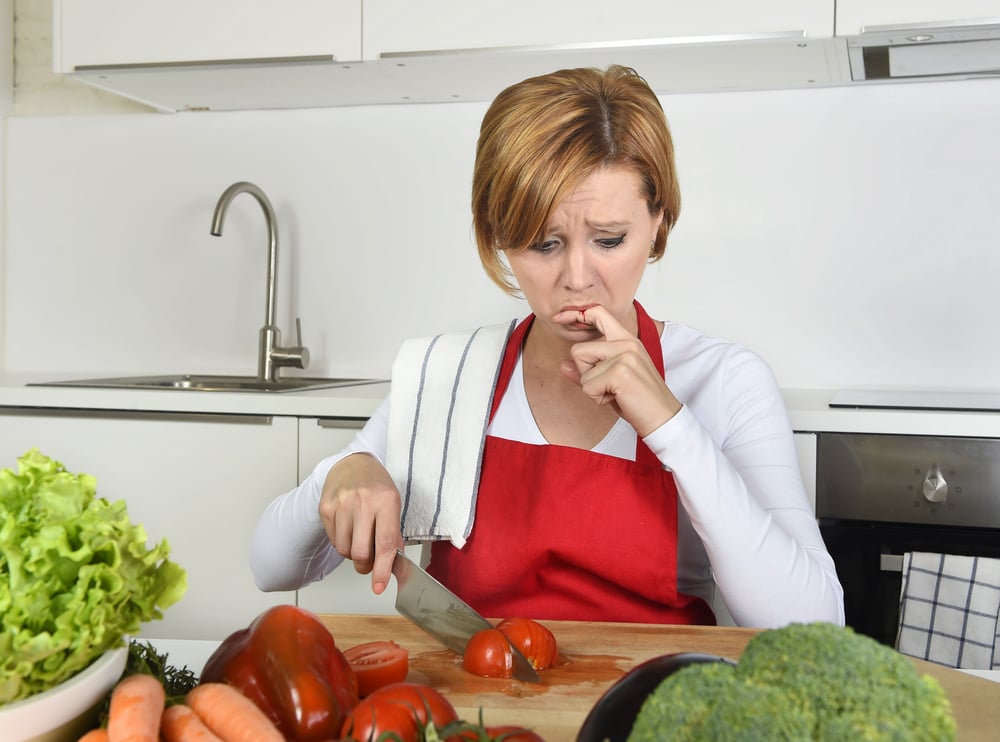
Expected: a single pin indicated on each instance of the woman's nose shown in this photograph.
(578, 272)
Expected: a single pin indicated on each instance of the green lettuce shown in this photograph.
(76, 576)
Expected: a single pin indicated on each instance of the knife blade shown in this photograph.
(442, 614)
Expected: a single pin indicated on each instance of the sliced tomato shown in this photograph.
(488, 655)
(533, 640)
(378, 664)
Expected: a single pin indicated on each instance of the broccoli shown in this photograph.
(804, 682)
(681, 703)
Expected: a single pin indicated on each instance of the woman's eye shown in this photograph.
(610, 242)
(545, 246)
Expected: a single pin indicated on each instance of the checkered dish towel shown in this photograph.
(948, 610)
(441, 393)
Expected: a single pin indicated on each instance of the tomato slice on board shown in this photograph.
(533, 640)
(488, 655)
(378, 664)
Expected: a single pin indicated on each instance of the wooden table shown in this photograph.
(594, 656)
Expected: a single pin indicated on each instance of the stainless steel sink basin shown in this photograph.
(212, 383)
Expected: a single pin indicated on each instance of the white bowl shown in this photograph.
(63, 713)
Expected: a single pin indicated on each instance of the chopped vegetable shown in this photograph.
(287, 664)
(136, 709)
(377, 664)
(800, 682)
(531, 639)
(76, 576)
(488, 654)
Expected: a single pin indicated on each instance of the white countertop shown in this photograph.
(808, 409)
(357, 401)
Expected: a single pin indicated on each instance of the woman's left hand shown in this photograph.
(617, 370)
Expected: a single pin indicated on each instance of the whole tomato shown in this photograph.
(512, 734)
(505, 733)
(488, 655)
(401, 709)
(533, 640)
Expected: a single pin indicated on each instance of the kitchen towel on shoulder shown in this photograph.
(948, 610)
(441, 391)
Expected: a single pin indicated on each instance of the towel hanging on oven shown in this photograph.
(948, 610)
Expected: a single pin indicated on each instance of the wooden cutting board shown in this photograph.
(593, 657)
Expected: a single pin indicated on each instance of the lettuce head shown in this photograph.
(76, 576)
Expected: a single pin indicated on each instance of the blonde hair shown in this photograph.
(541, 137)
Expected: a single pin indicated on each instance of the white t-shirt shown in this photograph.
(744, 525)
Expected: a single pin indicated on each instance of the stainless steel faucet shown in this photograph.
(270, 355)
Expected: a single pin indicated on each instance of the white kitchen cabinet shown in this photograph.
(405, 26)
(192, 56)
(343, 590)
(853, 16)
(198, 480)
(102, 33)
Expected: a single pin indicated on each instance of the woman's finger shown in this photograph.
(597, 317)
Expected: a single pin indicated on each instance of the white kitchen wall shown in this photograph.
(847, 234)
(6, 107)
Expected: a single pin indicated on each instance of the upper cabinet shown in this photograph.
(856, 16)
(401, 27)
(245, 54)
(109, 33)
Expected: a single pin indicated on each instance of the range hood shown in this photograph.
(926, 52)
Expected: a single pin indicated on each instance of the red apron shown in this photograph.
(566, 533)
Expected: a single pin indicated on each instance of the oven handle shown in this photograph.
(891, 562)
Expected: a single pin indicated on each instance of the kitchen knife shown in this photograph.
(442, 614)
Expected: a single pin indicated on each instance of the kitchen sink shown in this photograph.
(212, 383)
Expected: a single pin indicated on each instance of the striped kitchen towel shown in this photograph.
(439, 410)
(948, 610)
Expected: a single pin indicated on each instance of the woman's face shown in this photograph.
(594, 251)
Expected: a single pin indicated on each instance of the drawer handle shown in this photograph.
(891, 562)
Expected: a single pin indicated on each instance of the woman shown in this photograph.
(628, 466)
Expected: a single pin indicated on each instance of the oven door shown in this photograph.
(869, 557)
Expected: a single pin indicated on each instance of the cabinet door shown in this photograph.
(199, 481)
(124, 32)
(343, 590)
(399, 26)
(855, 15)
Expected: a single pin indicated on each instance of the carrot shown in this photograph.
(181, 724)
(136, 708)
(95, 735)
(230, 715)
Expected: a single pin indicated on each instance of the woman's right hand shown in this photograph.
(360, 511)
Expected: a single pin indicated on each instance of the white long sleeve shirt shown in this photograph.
(745, 525)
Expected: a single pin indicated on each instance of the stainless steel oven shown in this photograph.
(879, 496)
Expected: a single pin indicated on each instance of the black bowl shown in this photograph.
(614, 713)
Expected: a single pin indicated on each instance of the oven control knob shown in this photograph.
(935, 487)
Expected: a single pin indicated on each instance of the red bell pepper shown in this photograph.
(287, 663)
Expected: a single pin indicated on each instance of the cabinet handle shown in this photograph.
(354, 423)
(191, 417)
(305, 59)
(891, 562)
(630, 44)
